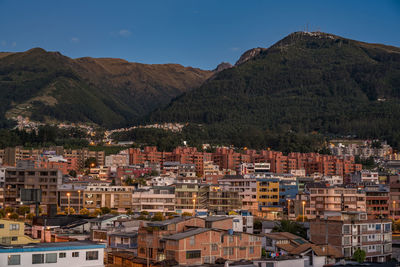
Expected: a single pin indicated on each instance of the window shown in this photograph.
(191, 240)
(14, 260)
(51, 257)
(214, 247)
(230, 239)
(251, 250)
(193, 254)
(1, 226)
(346, 229)
(14, 238)
(62, 255)
(92, 255)
(228, 251)
(75, 254)
(14, 226)
(37, 258)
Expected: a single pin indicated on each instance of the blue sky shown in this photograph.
(192, 33)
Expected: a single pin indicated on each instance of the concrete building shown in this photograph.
(60, 254)
(324, 198)
(47, 180)
(365, 176)
(154, 199)
(114, 197)
(247, 188)
(377, 197)
(349, 231)
(268, 198)
(13, 233)
(70, 195)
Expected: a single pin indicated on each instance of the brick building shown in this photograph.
(190, 242)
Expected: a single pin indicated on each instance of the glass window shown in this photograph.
(37, 258)
(251, 250)
(14, 260)
(193, 254)
(75, 254)
(214, 247)
(51, 257)
(14, 226)
(62, 255)
(14, 238)
(92, 255)
(1, 225)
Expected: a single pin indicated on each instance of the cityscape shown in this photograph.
(280, 150)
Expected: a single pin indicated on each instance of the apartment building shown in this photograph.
(120, 159)
(268, 197)
(186, 197)
(349, 231)
(102, 195)
(377, 197)
(45, 179)
(218, 200)
(324, 198)
(71, 195)
(394, 195)
(191, 242)
(365, 176)
(154, 199)
(246, 186)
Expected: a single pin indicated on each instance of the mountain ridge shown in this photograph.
(48, 86)
(306, 82)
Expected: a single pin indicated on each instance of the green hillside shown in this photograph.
(49, 87)
(307, 82)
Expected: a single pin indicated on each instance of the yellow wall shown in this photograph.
(268, 193)
(10, 230)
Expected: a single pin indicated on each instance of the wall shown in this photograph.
(68, 261)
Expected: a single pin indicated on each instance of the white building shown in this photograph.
(60, 254)
(121, 159)
(155, 199)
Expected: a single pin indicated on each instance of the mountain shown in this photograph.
(307, 82)
(50, 87)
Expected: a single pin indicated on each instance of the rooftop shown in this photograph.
(192, 232)
(50, 246)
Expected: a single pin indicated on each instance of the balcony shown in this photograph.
(123, 246)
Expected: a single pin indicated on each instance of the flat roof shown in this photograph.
(56, 246)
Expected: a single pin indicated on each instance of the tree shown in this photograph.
(71, 210)
(22, 210)
(257, 224)
(30, 216)
(291, 227)
(359, 255)
(84, 211)
(72, 173)
(158, 217)
(2, 213)
(144, 212)
(9, 209)
(105, 210)
(114, 212)
(186, 214)
(14, 216)
(95, 213)
(300, 218)
(129, 212)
